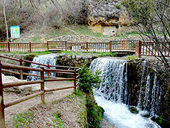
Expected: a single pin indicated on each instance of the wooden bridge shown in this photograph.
(118, 47)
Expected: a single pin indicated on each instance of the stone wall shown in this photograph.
(73, 60)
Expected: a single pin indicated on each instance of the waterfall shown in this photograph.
(114, 94)
(143, 71)
(42, 59)
(147, 93)
(114, 72)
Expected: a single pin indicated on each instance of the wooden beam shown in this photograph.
(10, 66)
(50, 90)
(23, 99)
(59, 79)
(11, 84)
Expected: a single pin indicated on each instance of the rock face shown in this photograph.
(107, 16)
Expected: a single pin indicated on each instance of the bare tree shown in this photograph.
(152, 18)
(4, 13)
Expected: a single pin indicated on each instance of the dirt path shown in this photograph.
(49, 97)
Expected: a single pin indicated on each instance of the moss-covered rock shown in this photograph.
(133, 110)
(94, 112)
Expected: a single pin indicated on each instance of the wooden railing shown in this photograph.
(6, 67)
(92, 46)
(23, 47)
(153, 49)
(142, 48)
(21, 61)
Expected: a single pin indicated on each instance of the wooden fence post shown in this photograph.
(110, 44)
(21, 71)
(138, 48)
(48, 71)
(8, 47)
(75, 80)
(30, 46)
(2, 116)
(42, 85)
(87, 47)
(65, 45)
(47, 46)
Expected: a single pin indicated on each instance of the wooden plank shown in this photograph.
(20, 67)
(50, 90)
(11, 84)
(55, 70)
(8, 71)
(23, 99)
(58, 79)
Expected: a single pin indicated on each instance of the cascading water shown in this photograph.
(42, 59)
(113, 94)
(143, 71)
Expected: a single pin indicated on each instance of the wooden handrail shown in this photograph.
(57, 66)
(11, 84)
(10, 66)
(20, 83)
(23, 99)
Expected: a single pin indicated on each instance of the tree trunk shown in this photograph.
(6, 25)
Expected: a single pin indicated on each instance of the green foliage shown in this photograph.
(33, 53)
(106, 54)
(87, 79)
(118, 6)
(36, 39)
(133, 110)
(127, 34)
(22, 120)
(161, 121)
(94, 112)
(57, 117)
(131, 57)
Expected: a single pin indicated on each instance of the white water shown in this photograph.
(114, 77)
(121, 117)
(113, 93)
(42, 59)
(143, 71)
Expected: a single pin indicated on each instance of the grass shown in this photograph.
(127, 34)
(36, 39)
(53, 113)
(22, 119)
(131, 57)
(52, 33)
(35, 53)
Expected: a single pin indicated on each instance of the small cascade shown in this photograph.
(147, 93)
(141, 85)
(114, 72)
(115, 92)
(42, 59)
(155, 97)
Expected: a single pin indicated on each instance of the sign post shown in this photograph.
(15, 32)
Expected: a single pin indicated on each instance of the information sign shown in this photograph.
(15, 31)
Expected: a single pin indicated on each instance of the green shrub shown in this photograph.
(118, 6)
(87, 79)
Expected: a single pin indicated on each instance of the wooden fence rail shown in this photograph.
(23, 47)
(92, 46)
(41, 82)
(155, 49)
(142, 48)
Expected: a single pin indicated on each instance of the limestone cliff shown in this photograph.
(107, 16)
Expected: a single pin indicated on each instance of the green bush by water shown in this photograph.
(87, 80)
